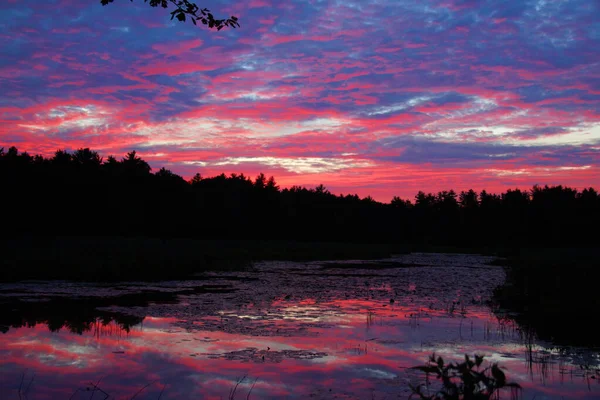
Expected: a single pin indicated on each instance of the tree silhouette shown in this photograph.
(61, 157)
(272, 185)
(135, 164)
(446, 201)
(12, 153)
(261, 181)
(321, 189)
(168, 177)
(424, 201)
(196, 179)
(185, 9)
(400, 203)
(86, 158)
(468, 200)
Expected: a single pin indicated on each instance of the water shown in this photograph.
(281, 330)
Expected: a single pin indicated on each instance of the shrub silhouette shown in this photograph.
(463, 381)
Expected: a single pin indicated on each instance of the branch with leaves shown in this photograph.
(185, 9)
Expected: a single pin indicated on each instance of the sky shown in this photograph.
(374, 97)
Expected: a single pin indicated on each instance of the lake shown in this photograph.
(322, 330)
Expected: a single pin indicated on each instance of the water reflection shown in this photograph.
(290, 334)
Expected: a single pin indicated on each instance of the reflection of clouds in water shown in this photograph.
(327, 327)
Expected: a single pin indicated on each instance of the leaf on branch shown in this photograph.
(478, 360)
(498, 374)
(185, 8)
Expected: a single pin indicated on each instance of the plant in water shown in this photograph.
(467, 380)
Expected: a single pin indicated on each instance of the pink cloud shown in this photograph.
(177, 48)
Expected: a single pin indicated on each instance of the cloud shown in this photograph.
(299, 165)
(418, 92)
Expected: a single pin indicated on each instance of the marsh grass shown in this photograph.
(94, 388)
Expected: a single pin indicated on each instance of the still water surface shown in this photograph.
(347, 330)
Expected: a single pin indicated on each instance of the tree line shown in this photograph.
(82, 194)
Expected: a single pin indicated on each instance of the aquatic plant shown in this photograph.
(463, 381)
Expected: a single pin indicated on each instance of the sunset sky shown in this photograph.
(372, 97)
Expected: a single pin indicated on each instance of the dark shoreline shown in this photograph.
(113, 259)
(102, 258)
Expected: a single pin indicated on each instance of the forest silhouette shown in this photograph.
(80, 194)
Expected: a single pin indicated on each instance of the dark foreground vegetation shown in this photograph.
(465, 380)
